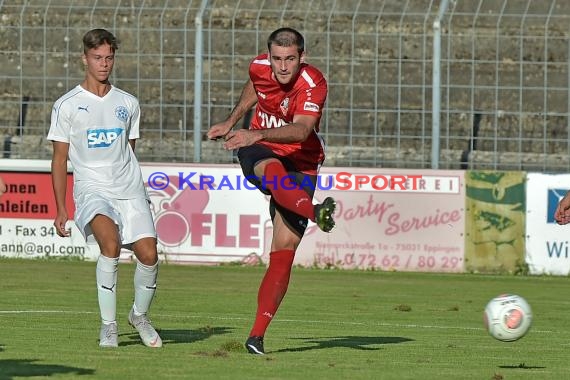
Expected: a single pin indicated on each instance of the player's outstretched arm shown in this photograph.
(247, 99)
(295, 132)
(59, 183)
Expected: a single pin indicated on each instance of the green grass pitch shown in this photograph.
(333, 324)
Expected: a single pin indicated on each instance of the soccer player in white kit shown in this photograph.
(95, 126)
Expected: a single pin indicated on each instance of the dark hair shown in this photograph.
(97, 37)
(286, 37)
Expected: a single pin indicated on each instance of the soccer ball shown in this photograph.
(507, 317)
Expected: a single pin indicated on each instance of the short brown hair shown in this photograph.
(286, 37)
(97, 37)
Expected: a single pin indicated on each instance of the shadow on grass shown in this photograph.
(170, 336)
(354, 342)
(17, 368)
(521, 366)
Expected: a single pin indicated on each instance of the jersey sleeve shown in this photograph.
(134, 130)
(60, 126)
(311, 102)
(258, 67)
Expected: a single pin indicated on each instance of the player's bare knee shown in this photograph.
(145, 251)
(108, 249)
(285, 242)
(147, 258)
(259, 168)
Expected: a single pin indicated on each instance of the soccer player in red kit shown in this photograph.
(281, 154)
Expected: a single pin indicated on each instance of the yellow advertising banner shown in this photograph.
(495, 221)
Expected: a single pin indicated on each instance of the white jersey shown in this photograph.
(98, 130)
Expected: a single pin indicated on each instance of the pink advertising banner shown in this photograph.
(388, 219)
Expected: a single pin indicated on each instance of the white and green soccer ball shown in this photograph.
(508, 317)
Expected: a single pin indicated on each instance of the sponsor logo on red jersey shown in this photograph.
(310, 106)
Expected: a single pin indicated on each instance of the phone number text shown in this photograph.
(426, 262)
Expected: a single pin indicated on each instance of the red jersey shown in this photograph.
(277, 105)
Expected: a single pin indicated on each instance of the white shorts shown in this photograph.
(132, 216)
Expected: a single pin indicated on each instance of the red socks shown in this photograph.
(286, 192)
(272, 289)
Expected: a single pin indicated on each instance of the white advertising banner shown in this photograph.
(203, 214)
(390, 219)
(547, 248)
(206, 214)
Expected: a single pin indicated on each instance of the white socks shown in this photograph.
(145, 287)
(144, 282)
(106, 275)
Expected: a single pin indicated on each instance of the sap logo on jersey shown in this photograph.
(102, 138)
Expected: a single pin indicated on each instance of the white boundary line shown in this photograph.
(45, 312)
(235, 318)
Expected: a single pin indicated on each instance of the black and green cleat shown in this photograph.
(324, 214)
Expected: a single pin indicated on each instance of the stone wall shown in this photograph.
(514, 74)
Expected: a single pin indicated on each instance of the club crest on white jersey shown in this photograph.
(122, 113)
(102, 138)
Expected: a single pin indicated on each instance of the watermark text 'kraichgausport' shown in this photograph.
(343, 181)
